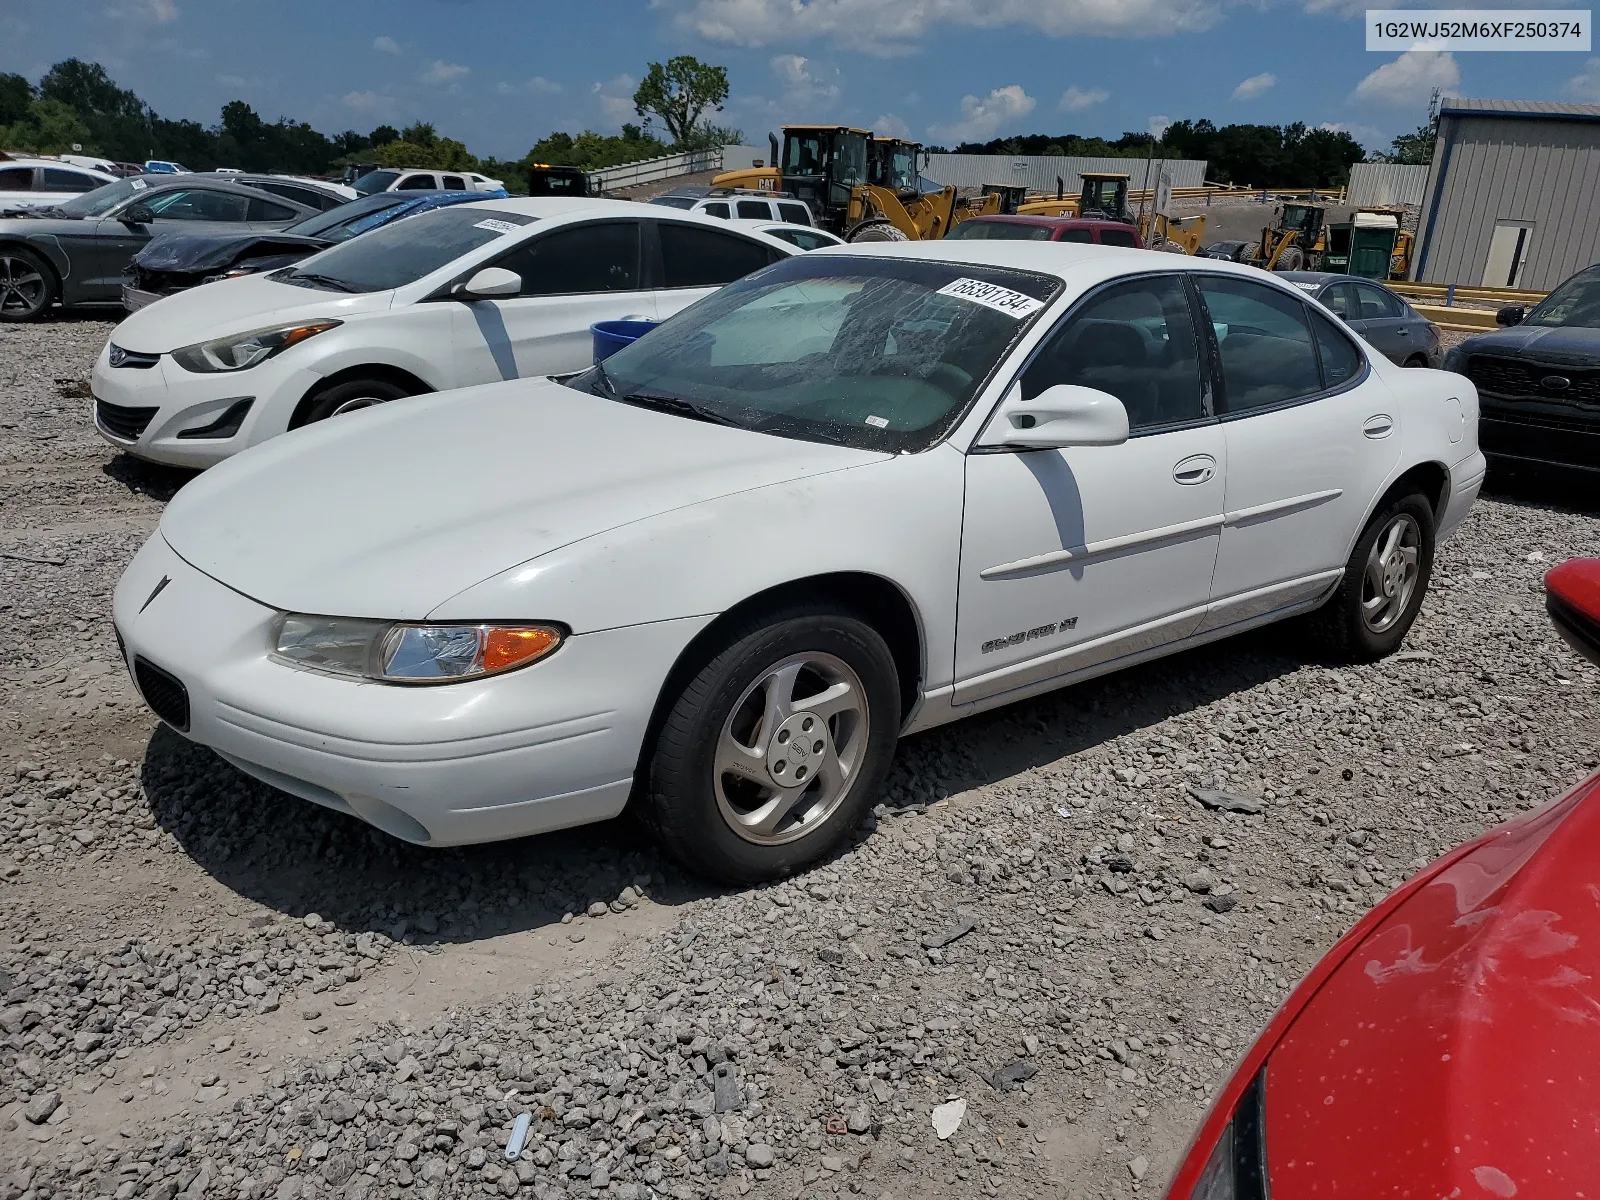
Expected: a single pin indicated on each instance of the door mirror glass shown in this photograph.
(137, 214)
(491, 283)
(1572, 598)
(1065, 414)
(1510, 314)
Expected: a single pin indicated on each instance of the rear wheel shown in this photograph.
(1250, 253)
(1416, 360)
(27, 285)
(350, 396)
(772, 750)
(876, 231)
(1384, 583)
(1291, 259)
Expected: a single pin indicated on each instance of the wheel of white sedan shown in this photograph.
(771, 752)
(1384, 583)
(352, 395)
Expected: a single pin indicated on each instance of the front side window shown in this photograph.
(1264, 343)
(692, 257)
(1576, 302)
(1135, 340)
(403, 252)
(16, 179)
(878, 353)
(1074, 234)
(579, 260)
(802, 154)
(196, 204)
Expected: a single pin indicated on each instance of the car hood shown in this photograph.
(179, 252)
(1554, 344)
(1456, 1050)
(234, 306)
(389, 512)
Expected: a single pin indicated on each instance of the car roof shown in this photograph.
(549, 207)
(1050, 222)
(1326, 277)
(30, 161)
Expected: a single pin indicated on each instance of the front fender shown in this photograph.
(899, 520)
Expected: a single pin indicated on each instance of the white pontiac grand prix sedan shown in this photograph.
(864, 491)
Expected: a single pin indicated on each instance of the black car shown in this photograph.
(1538, 379)
(174, 262)
(1227, 251)
(1385, 322)
(75, 252)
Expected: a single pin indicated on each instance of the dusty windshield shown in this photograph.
(403, 252)
(375, 181)
(878, 353)
(1575, 303)
(102, 199)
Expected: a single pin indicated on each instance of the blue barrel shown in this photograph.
(611, 336)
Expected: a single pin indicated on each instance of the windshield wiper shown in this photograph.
(337, 285)
(683, 408)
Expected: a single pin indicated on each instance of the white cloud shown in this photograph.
(894, 27)
(444, 72)
(1159, 125)
(805, 84)
(1409, 80)
(539, 85)
(889, 125)
(386, 44)
(616, 98)
(162, 12)
(1076, 99)
(1250, 88)
(1368, 135)
(233, 81)
(983, 119)
(367, 102)
(1585, 85)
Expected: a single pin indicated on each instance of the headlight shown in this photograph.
(400, 652)
(247, 349)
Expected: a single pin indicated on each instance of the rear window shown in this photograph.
(404, 251)
(1000, 231)
(684, 202)
(693, 257)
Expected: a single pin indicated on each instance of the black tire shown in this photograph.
(1339, 628)
(352, 395)
(1416, 360)
(876, 231)
(681, 795)
(27, 285)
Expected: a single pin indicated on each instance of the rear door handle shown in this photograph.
(1195, 470)
(1379, 426)
(1402, 331)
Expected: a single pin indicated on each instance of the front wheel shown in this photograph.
(771, 752)
(876, 231)
(351, 396)
(1384, 583)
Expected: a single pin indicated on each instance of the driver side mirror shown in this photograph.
(137, 214)
(1060, 416)
(1511, 314)
(1572, 598)
(491, 283)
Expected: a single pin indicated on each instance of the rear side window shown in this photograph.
(454, 183)
(1118, 237)
(717, 209)
(196, 204)
(1075, 235)
(266, 210)
(585, 259)
(1341, 299)
(57, 180)
(1341, 361)
(754, 210)
(806, 239)
(417, 183)
(695, 257)
(311, 197)
(1377, 303)
(1264, 342)
(795, 214)
(16, 179)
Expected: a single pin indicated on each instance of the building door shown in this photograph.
(1508, 251)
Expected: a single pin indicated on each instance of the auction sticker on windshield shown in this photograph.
(497, 226)
(1002, 300)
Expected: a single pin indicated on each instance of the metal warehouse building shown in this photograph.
(1513, 195)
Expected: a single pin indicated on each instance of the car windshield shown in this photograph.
(102, 199)
(375, 181)
(1576, 303)
(395, 255)
(878, 353)
(346, 220)
(1001, 231)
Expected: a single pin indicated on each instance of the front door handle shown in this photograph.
(1195, 470)
(1379, 426)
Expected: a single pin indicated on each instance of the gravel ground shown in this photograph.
(207, 988)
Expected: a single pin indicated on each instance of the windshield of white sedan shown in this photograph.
(879, 353)
(1575, 303)
(402, 253)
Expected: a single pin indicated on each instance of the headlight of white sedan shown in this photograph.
(401, 652)
(242, 350)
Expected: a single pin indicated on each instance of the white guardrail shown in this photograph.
(651, 170)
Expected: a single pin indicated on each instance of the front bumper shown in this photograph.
(547, 747)
(1466, 481)
(187, 401)
(1537, 439)
(133, 299)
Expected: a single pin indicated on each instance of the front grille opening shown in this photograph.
(132, 359)
(226, 425)
(163, 692)
(124, 423)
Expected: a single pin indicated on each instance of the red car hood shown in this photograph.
(1455, 1052)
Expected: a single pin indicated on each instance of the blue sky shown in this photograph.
(499, 74)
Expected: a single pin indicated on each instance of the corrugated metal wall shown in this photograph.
(1542, 171)
(1038, 172)
(1386, 183)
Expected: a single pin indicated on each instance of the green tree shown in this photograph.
(383, 134)
(1414, 148)
(680, 92)
(48, 127)
(442, 154)
(16, 96)
(420, 134)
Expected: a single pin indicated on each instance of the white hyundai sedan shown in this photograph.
(491, 290)
(864, 491)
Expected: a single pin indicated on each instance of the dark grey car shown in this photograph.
(1385, 322)
(74, 253)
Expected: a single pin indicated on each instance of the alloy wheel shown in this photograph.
(791, 749)
(22, 287)
(358, 402)
(1390, 579)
